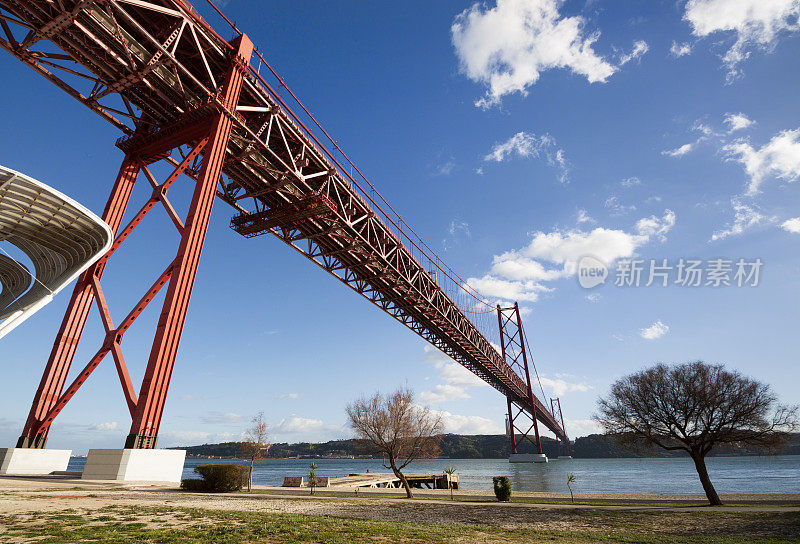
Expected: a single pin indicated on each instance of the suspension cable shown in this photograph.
(435, 259)
(533, 363)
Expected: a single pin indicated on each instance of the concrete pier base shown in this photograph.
(527, 458)
(129, 465)
(28, 461)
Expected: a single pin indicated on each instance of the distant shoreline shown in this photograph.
(454, 446)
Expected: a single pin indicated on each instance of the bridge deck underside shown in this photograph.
(144, 66)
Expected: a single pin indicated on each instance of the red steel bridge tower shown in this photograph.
(207, 127)
(186, 98)
(524, 413)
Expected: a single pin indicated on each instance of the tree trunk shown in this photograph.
(402, 478)
(250, 479)
(708, 487)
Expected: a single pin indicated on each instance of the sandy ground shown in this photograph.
(39, 483)
(32, 499)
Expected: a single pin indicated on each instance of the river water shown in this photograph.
(773, 474)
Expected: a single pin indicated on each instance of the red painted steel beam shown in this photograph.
(69, 334)
(153, 393)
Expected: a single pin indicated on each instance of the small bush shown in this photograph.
(502, 488)
(218, 478)
(193, 484)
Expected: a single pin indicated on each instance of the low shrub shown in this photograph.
(193, 484)
(502, 488)
(218, 478)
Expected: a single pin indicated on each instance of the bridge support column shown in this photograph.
(563, 441)
(147, 416)
(512, 345)
(206, 132)
(74, 321)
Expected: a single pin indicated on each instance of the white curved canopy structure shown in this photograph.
(59, 236)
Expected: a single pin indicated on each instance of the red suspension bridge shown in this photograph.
(183, 95)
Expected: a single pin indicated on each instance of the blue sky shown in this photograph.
(515, 137)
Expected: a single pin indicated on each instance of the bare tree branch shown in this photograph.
(695, 407)
(397, 428)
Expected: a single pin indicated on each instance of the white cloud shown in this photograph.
(756, 23)
(654, 331)
(594, 297)
(456, 232)
(503, 289)
(455, 374)
(581, 427)
(194, 397)
(213, 418)
(446, 168)
(296, 425)
(640, 47)
(706, 133)
(779, 158)
(518, 274)
(737, 121)
(678, 151)
(559, 386)
(745, 217)
(456, 378)
(459, 424)
(792, 225)
(630, 182)
(458, 226)
(230, 437)
(287, 396)
(107, 426)
(702, 128)
(506, 47)
(584, 217)
(680, 49)
(658, 227)
(521, 144)
(442, 393)
(616, 207)
(527, 145)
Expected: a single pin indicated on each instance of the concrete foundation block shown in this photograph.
(134, 465)
(527, 458)
(32, 461)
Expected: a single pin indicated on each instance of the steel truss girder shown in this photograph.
(271, 160)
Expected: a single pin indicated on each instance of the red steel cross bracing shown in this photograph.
(207, 131)
(512, 345)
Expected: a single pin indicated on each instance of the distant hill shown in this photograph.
(457, 446)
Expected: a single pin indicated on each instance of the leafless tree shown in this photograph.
(256, 445)
(397, 428)
(695, 407)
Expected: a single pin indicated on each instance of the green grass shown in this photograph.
(119, 525)
(525, 500)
